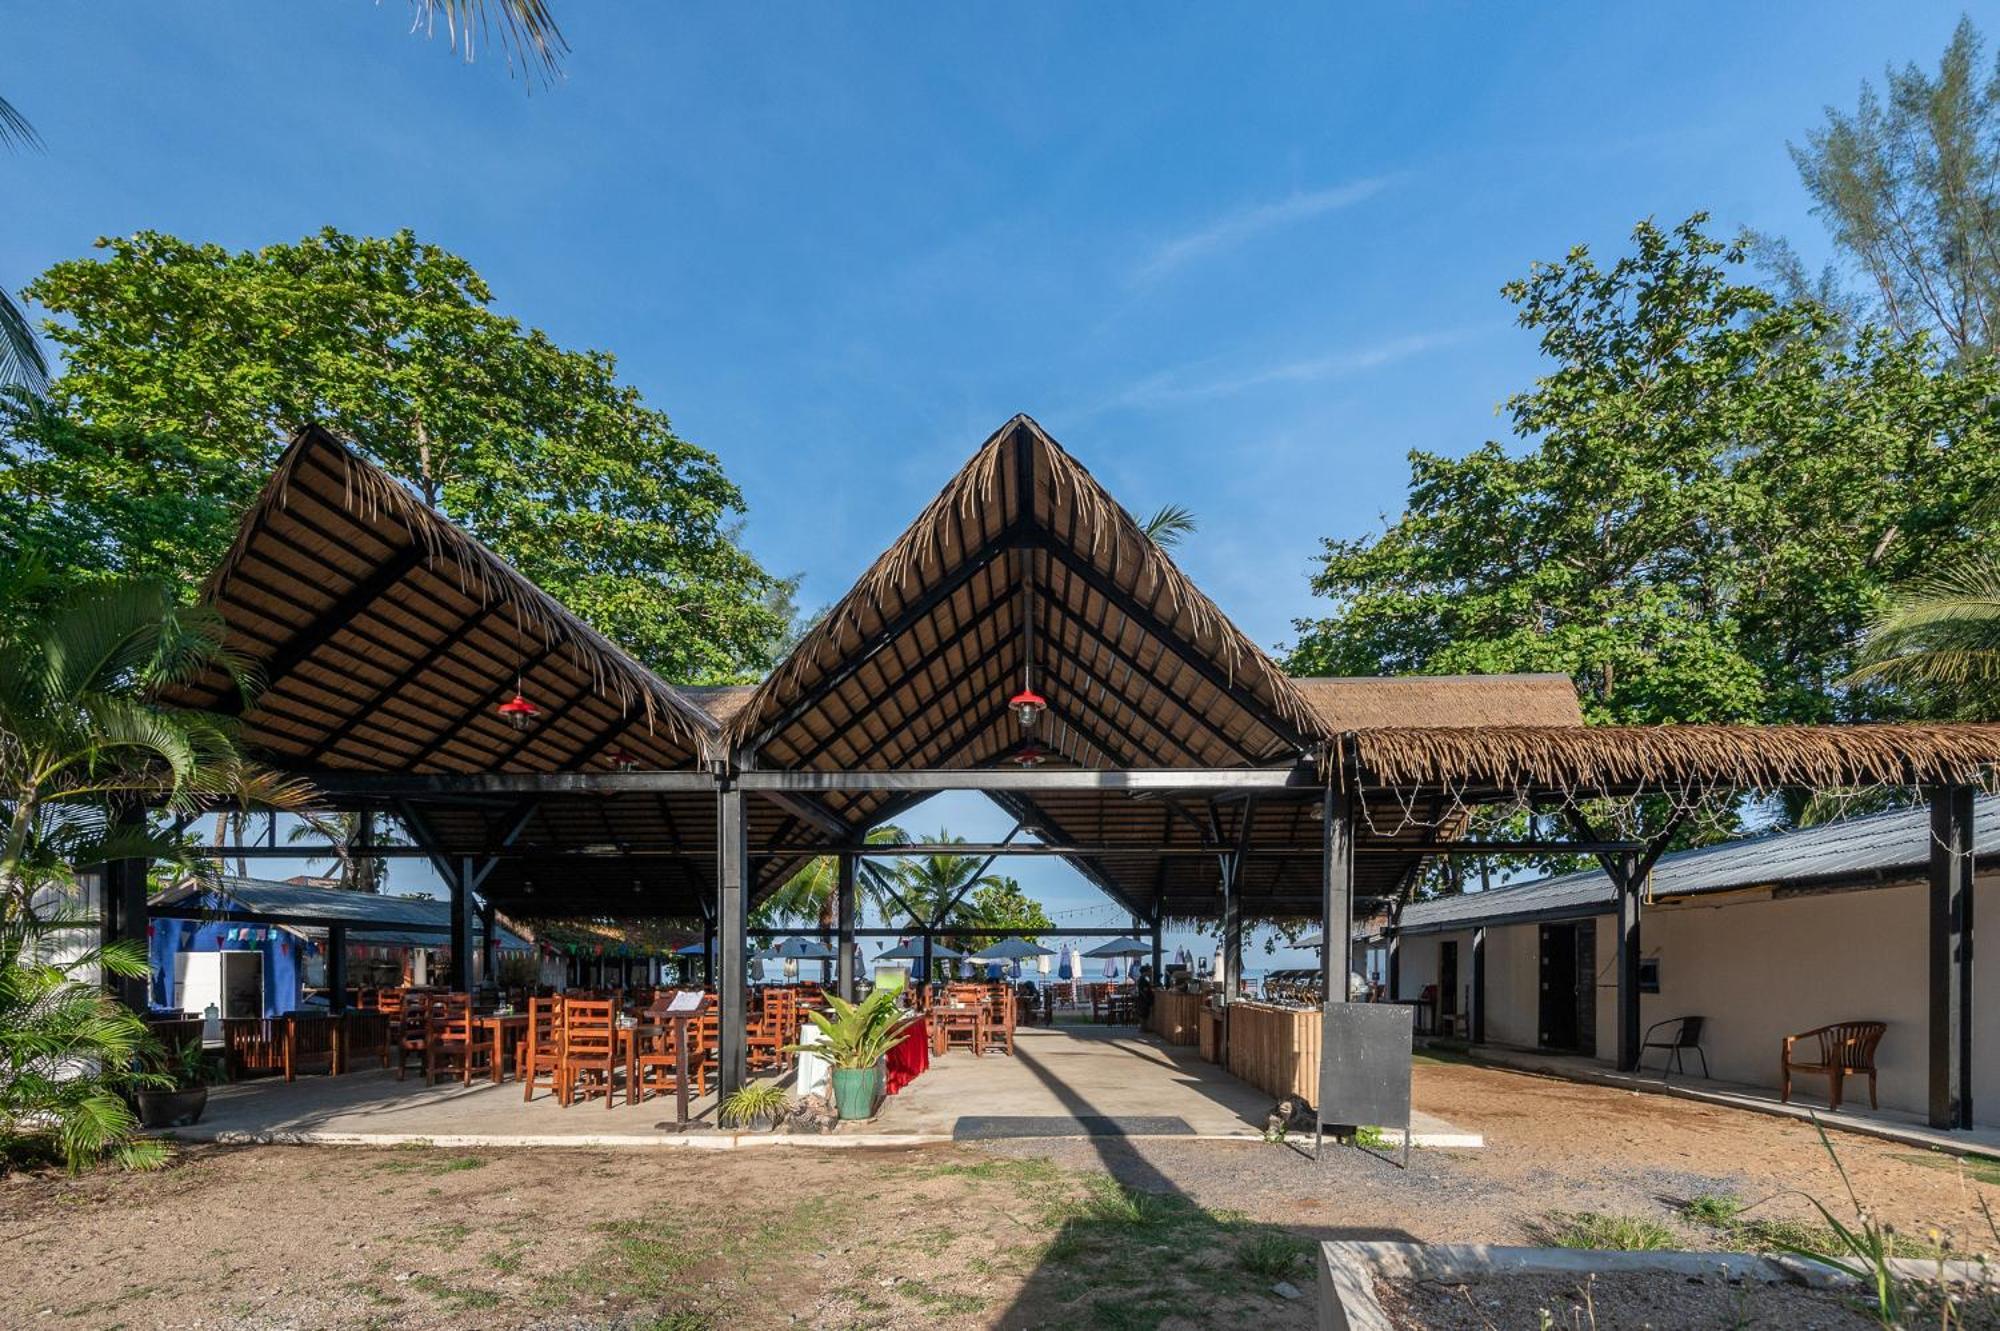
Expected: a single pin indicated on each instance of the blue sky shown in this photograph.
(1243, 259)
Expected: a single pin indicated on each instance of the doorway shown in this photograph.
(1568, 1017)
(1448, 985)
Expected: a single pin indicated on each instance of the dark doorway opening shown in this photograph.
(1568, 1018)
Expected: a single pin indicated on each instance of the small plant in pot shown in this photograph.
(179, 1080)
(854, 1039)
(748, 1106)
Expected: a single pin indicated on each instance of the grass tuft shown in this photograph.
(1609, 1233)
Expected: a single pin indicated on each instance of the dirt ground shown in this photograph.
(1141, 1233)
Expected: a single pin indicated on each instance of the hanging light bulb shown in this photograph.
(1028, 707)
(517, 711)
(1029, 754)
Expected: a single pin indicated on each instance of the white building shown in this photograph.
(1763, 937)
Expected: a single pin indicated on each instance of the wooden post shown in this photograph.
(461, 927)
(844, 927)
(1479, 985)
(733, 991)
(1337, 896)
(1628, 882)
(1951, 1009)
(336, 968)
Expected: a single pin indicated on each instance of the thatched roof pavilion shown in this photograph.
(1022, 637)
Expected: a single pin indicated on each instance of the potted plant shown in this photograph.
(179, 1093)
(748, 1106)
(854, 1039)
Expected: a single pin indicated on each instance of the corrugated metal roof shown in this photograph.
(388, 921)
(1886, 847)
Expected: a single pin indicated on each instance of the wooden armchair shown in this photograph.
(1841, 1049)
(541, 1049)
(589, 1050)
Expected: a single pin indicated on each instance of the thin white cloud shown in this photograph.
(1196, 383)
(1232, 229)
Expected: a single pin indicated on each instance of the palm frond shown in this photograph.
(527, 30)
(1169, 525)
(15, 131)
(22, 364)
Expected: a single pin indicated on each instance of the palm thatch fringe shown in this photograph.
(371, 494)
(1677, 757)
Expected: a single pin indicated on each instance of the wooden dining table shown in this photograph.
(504, 1032)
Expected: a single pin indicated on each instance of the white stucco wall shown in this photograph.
(1759, 970)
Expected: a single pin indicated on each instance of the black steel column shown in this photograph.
(461, 927)
(336, 967)
(1232, 930)
(1392, 965)
(732, 861)
(925, 973)
(1159, 955)
(125, 893)
(1629, 884)
(489, 946)
(1479, 985)
(708, 953)
(1337, 896)
(843, 916)
(1951, 1010)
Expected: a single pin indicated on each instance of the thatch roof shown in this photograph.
(1352, 702)
(388, 637)
(1615, 759)
(721, 701)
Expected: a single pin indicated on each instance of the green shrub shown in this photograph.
(747, 1105)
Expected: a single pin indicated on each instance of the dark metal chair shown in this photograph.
(1686, 1034)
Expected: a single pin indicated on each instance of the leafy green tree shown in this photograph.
(1170, 525)
(1712, 494)
(1001, 904)
(188, 366)
(811, 895)
(938, 887)
(349, 834)
(1909, 188)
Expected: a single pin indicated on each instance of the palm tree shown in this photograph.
(21, 362)
(810, 896)
(1169, 525)
(83, 739)
(351, 834)
(1942, 639)
(81, 733)
(937, 886)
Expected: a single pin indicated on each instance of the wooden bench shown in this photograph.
(1844, 1048)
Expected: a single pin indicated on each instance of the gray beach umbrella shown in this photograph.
(1122, 947)
(914, 951)
(802, 949)
(1013, 949)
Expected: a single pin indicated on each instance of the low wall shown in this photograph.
(1275, 1049)
(1174, 1017)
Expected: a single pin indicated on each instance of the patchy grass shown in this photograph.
(1717, 1210)
(1728, 1215)
(421, 1158)
(1610, 1233)
(467, 1298)
(1272, 1256)
(1975, 1166)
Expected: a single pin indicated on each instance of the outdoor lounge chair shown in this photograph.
(1843, 1048)
(1682, 1033)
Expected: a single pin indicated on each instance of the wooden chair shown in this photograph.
(589, 1050)
(413, 1027)
(764, 1044)
(997, 1026)
(450, 1039)
(1682, 1033)
(1843, 1048)
(541, 1050)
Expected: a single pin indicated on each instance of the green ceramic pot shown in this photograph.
(854, 1091)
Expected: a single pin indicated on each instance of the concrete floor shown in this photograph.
(1061, 1082)
(1808, 1098)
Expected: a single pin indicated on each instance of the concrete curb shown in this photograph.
(1348, 1271)
(701, 1140)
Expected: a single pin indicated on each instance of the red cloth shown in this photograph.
(908, 1057)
